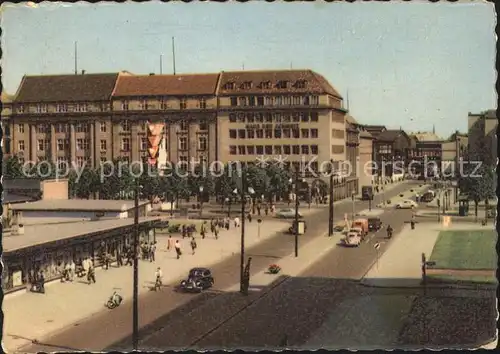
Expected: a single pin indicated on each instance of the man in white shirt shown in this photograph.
(158, 277)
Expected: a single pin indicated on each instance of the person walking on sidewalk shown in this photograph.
(158, 278)
(178, 249)
(91, 274)
(249, 216)
(170, 243)
(389, 231)
(236, 222)
(193, 245)
(152, 252)
(203, 231)
(184, 231)
(72, 270)
(266, 209)
(216, 233)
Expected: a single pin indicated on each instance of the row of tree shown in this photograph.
(118, 181)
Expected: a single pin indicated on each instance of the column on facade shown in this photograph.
(134, 141)
(192, 141)
(72, 143)
(33, 143)
(212, 141)
(92, 144)
(53, 143)
(173, 147)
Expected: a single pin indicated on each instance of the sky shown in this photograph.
(412, 65)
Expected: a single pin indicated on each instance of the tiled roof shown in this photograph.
(159, 85)
(6, 98)
(389, 135)
(66, 88)
(256, 80)
(350, 119)
(425, 136)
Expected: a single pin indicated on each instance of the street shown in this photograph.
(113, 328)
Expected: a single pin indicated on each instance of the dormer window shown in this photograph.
(301, 84)
(230, 85)
(266, 85)
(283, 84)
(246, 85)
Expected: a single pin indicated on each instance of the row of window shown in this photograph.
(270, 133)
(64, 108)
(273, 149)
(85, 128)
(252, 101)
(276, 117)
(145, 104)
(266, 85)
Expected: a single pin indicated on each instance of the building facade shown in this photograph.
(294, 117)
(5, 117)
(482, 142)
(390, 149)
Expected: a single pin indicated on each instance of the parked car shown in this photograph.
(198, 279)
(406, 204)
(374, 224)
(287, 213)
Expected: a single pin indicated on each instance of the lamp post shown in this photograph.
(135, 308)
(330, 202)
(296, 221)
(243, 281)
(201, 200)
(228, 202)
(353, 193)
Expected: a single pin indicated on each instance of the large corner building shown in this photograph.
(291, 115)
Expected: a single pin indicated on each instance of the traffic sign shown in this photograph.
(376, 246)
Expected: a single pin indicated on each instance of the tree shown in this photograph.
(201, 177)
(84, 185)
(117, 181)
(278, 182)
(478, 185)
(12, 168)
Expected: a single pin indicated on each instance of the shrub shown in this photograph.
(388, 201)
(274, 269)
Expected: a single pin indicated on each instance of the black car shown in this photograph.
(198, 279)
(374, 224)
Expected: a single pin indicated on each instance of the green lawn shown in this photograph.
(474, 249)
(457, 278)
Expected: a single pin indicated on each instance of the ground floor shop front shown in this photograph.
(22, 266)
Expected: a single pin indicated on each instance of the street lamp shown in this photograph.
(296, 221)
(228, 202)
(353, 194)
(135, 308)
(330, 202)
(244, 280)
(201, 200)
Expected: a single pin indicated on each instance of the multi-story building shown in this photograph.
(181, 108)
(390, 147)
(60, 117)
(482, 143)
(293, 115)
(6, 113)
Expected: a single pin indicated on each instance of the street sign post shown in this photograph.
(377, 247)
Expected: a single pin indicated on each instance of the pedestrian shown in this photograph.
(193, 244)
(273, 208)
(266, 209)
(152, 251)
(158, 278)
(106, 260)
(91, 274)
(170, 243)
(184, 231)
(227, 222)
(119, 259)
(216, 233)
(41, 283)
(202, 231)
(67, 271)
(178, 250)
(258, 209)
(236, 222)
(72, 270)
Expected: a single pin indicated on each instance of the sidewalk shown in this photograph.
(400, 264)
(29, 315)
(292, 266)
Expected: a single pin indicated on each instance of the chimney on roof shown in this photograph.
(83, 72)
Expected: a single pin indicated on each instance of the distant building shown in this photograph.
(482, 143)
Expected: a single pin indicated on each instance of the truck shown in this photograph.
(361, 224)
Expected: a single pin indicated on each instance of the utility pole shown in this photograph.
(135, 313)
(173, 53)
(243, 288)
(330, 215)
(161, 64)
(297, 212)
(76, 58)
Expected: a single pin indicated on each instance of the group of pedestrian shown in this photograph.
(148, 251)
(69, 270)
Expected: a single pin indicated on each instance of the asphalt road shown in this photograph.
(112, 329)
